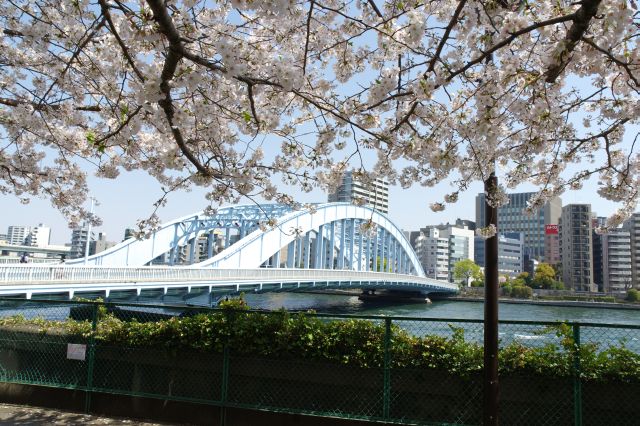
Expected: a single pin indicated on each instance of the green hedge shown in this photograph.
(352, 342)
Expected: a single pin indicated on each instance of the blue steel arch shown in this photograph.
(330, 237)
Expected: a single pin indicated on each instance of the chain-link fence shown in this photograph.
(402, 370)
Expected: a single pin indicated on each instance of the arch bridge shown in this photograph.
(333, 244)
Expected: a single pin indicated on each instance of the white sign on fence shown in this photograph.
(76, 351)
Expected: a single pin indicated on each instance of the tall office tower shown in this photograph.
(632, 225)
(575, 247)
(616, 260)
(39, 236)
(440, 247)
(78, 242)
(510, 253)
(551, 244)
(512, 218)
(17, 235)
(375, 194)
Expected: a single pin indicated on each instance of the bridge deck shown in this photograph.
(62, 279)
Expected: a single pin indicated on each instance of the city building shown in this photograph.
(510, 253)
(512, 218)
(551, 244)
(374, 194)
(39, 236)
(100, 245)
(616, 260)
(575, 247)
(440, 247)
(17, 235)
(3, 238)
(596, 253)
(632, 225)
(79, 237)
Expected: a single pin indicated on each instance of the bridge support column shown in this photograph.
(192, 251)
(352, 237)
(173, 254)
(291, 254)
(360, 252)
(227, 237)
(276, 259)
(299, 263)
(390, 254)
(383, 249)
(332, 245)
(343, 249)
(318, 248)
(307, 249)
(374, 255)
(210, 244)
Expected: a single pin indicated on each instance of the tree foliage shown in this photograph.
(188, 91)
(545, 277)
(466, 269)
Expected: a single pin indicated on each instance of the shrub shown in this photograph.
(633, 295)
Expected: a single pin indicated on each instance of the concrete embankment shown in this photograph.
(565, 303)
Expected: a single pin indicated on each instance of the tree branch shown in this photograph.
(581, 20)
(125, 51)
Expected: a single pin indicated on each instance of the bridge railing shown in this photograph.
(390, 369)
(50, 274)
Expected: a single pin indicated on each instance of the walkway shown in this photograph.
(24, 415)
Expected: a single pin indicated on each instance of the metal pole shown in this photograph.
(577, 382)
(86, 246)
(491, 388)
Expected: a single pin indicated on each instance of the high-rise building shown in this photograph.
(575, 247)
(374, 194)
(17, 235)
(510, 253)
(39, 236)
(616, 260)
(440, 247)
(632, 225)
(551, 244)
(512, 218)
(78, 242)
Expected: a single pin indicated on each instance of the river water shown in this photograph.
(445, 309)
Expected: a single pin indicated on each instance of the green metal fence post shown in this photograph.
(225, 371)
(386, 395)
(577, 382)
(91, 357)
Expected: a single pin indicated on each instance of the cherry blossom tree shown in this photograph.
(543, 92)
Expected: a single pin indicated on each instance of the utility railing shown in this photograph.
(17, 275)
(386, 369)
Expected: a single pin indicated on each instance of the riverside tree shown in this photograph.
(543, 92)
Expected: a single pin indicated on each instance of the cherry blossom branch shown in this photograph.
(306, 43)
(445, 36)
(613, 59)
(105, 12)
(581, 19)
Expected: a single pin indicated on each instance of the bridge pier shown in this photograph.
(370, 295)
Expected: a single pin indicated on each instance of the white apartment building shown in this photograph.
(616, 261)
(374, 194)
(39, 236)
(440, 247)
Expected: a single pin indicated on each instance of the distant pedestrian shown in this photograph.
(24, 258)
